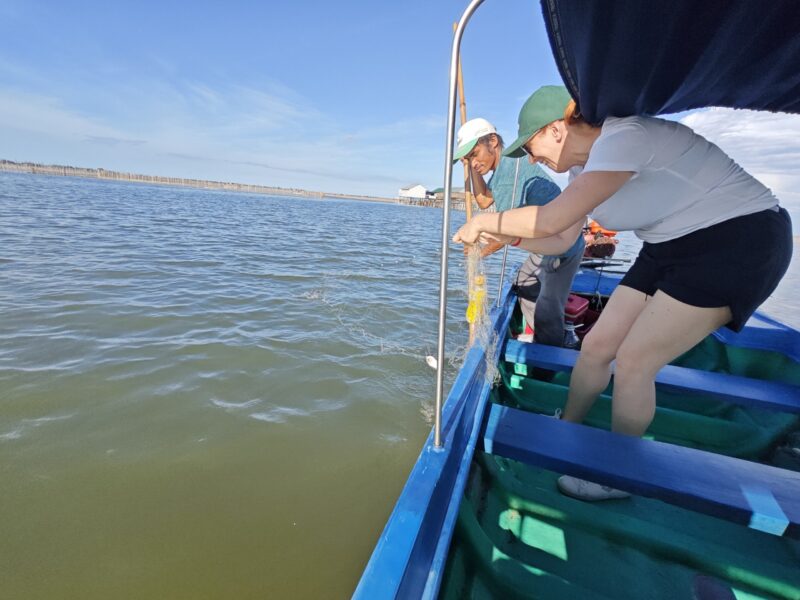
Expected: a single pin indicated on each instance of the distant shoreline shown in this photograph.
(103, 174)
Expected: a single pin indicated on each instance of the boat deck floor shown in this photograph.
(518, 537)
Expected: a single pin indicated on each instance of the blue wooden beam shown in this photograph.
(757, 393)
(759, 496)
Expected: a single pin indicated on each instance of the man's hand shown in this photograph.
(491, 248)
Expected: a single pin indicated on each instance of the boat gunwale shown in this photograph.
(404, 563)
(401, 565)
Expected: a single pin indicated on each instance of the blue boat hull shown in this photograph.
(411, 554)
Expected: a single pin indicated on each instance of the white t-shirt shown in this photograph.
(682, 181)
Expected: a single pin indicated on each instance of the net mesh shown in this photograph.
(477, 313)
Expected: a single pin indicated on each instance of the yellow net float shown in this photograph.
(477, 299)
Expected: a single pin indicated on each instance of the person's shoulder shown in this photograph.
(641, 124)
(505, 164)
(629, 124)
(633, 131)
(624, 144)
(530, 171)
(539, 187)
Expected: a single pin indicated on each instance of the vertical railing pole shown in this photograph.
(448, 176)
(462, 104)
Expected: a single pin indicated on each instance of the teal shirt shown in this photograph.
(534, 188)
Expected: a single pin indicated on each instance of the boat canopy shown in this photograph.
(637, 57)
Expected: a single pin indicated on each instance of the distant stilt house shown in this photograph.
(415, 190)
(417, 195)
(457, 193)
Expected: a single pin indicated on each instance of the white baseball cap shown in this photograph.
(469, 134)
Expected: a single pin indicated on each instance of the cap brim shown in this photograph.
(462, 151)
(515, 150)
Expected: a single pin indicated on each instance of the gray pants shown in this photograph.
(543, 285)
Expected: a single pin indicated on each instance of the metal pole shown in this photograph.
(505, 248)
(448, 176)
(467, 185)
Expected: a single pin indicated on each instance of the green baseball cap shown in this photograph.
(547, 104)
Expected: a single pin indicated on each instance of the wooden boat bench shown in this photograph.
(760, 496)
(757, 393)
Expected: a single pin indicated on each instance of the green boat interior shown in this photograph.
(518, 537)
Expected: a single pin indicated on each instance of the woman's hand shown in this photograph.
(469, 232)
(489, 243)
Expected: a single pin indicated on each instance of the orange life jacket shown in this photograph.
(594, 228)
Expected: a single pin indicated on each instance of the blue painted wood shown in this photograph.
(409, 557)
(439, 561)
(763, 333)
(595, 281)
(701, 481)
(757, 393)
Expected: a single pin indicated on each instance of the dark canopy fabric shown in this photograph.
(647, 57)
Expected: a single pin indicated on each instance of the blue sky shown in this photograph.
(309, 94)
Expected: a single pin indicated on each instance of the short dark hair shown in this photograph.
(485, 139)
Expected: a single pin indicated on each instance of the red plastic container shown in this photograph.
(575, 308)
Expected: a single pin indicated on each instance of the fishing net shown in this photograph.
(477, 313)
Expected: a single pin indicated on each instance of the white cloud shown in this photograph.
(47, 115)
(235, 133)
(258, 131)
(113, 141)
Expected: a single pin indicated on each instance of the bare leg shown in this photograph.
(664, 330)
(592, 370)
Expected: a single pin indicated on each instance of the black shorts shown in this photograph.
(737, 263)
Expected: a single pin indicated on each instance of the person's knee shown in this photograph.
(634, 365)
(597, 350)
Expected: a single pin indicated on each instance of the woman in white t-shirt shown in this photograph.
(698, 213)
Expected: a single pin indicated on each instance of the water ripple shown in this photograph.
(171, 367)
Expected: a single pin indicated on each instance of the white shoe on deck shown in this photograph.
(588, 490)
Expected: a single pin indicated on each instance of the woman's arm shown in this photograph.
(552, 245)
(579, 198)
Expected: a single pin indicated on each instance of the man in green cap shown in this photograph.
(543, 282)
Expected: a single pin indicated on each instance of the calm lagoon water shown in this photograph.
(208, 394)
